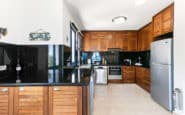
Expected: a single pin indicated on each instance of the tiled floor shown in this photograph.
(125, 99)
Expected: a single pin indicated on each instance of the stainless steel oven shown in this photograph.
(115, 73)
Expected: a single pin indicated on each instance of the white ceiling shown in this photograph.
(98, 14)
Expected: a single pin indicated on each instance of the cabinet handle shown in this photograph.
(4, 90)
(21, 89)
(56, 89)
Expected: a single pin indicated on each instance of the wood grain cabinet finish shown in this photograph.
(65, 100)
(31, 100)
(132, 41)
(167, 19)
(145, 37)
(6, 101)
(143, 78)
(163, 21)
(101, 41)
(86, 41)
(157, 21)
(128, 74)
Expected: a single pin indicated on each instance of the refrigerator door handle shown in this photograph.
(178, 99)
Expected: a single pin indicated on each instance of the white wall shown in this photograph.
(179, 47)
(24, 16)
(11, 18)
(68, 17)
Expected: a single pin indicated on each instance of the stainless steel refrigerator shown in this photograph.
(161, 73)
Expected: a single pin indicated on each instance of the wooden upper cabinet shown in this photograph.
(101, 41)
(95, 42)
(157, 21)
(106, 40)
(31, 101)
(145, 37)
(163, 21)
(86, 41)
(132, 41)
(65, 100)
(139, 41)
(120, 41)
(6, 101)
(167, 19)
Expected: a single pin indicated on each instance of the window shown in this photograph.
(74, 43)
(54, 63)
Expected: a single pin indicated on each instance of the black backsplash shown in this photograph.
(34, 63)
(133, 56)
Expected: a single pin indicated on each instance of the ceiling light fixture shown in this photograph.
(139, 2)
(119, 19)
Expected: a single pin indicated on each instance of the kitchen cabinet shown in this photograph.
(101, 41)
(128, 74)
(44, 100)
(120, 41)
(163, 21)
(86, 41)
(132, 41)
(31, 100)
(65, 100)
(145, 37)
(157, 21)
(143, 78)
(6, 101)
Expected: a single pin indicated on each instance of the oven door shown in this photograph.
(115, 73)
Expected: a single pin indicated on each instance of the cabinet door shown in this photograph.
(86, 41)
(65, 100)
(146, 79)
(157, 28)
(104, 37)
(6, 101)
(139, 75)
(139, 42)
(128, 74)
(167, 19)
(94, 42)
(120, 41)
(111, 40)
(31, 101)
(132, 41)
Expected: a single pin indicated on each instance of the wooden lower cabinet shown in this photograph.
(65, 100)
(31, 101)
(43, 100)
(6, 101)
(128, 74)
(143, 78)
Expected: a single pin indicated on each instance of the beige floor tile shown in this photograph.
(125, 99)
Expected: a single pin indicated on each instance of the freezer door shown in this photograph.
(161, 85)
(161, 51)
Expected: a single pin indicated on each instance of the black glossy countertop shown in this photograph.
(74, 78)
(144, 66)
(82, 82)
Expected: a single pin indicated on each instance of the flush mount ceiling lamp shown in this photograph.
(119, 19)
(139, 2)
